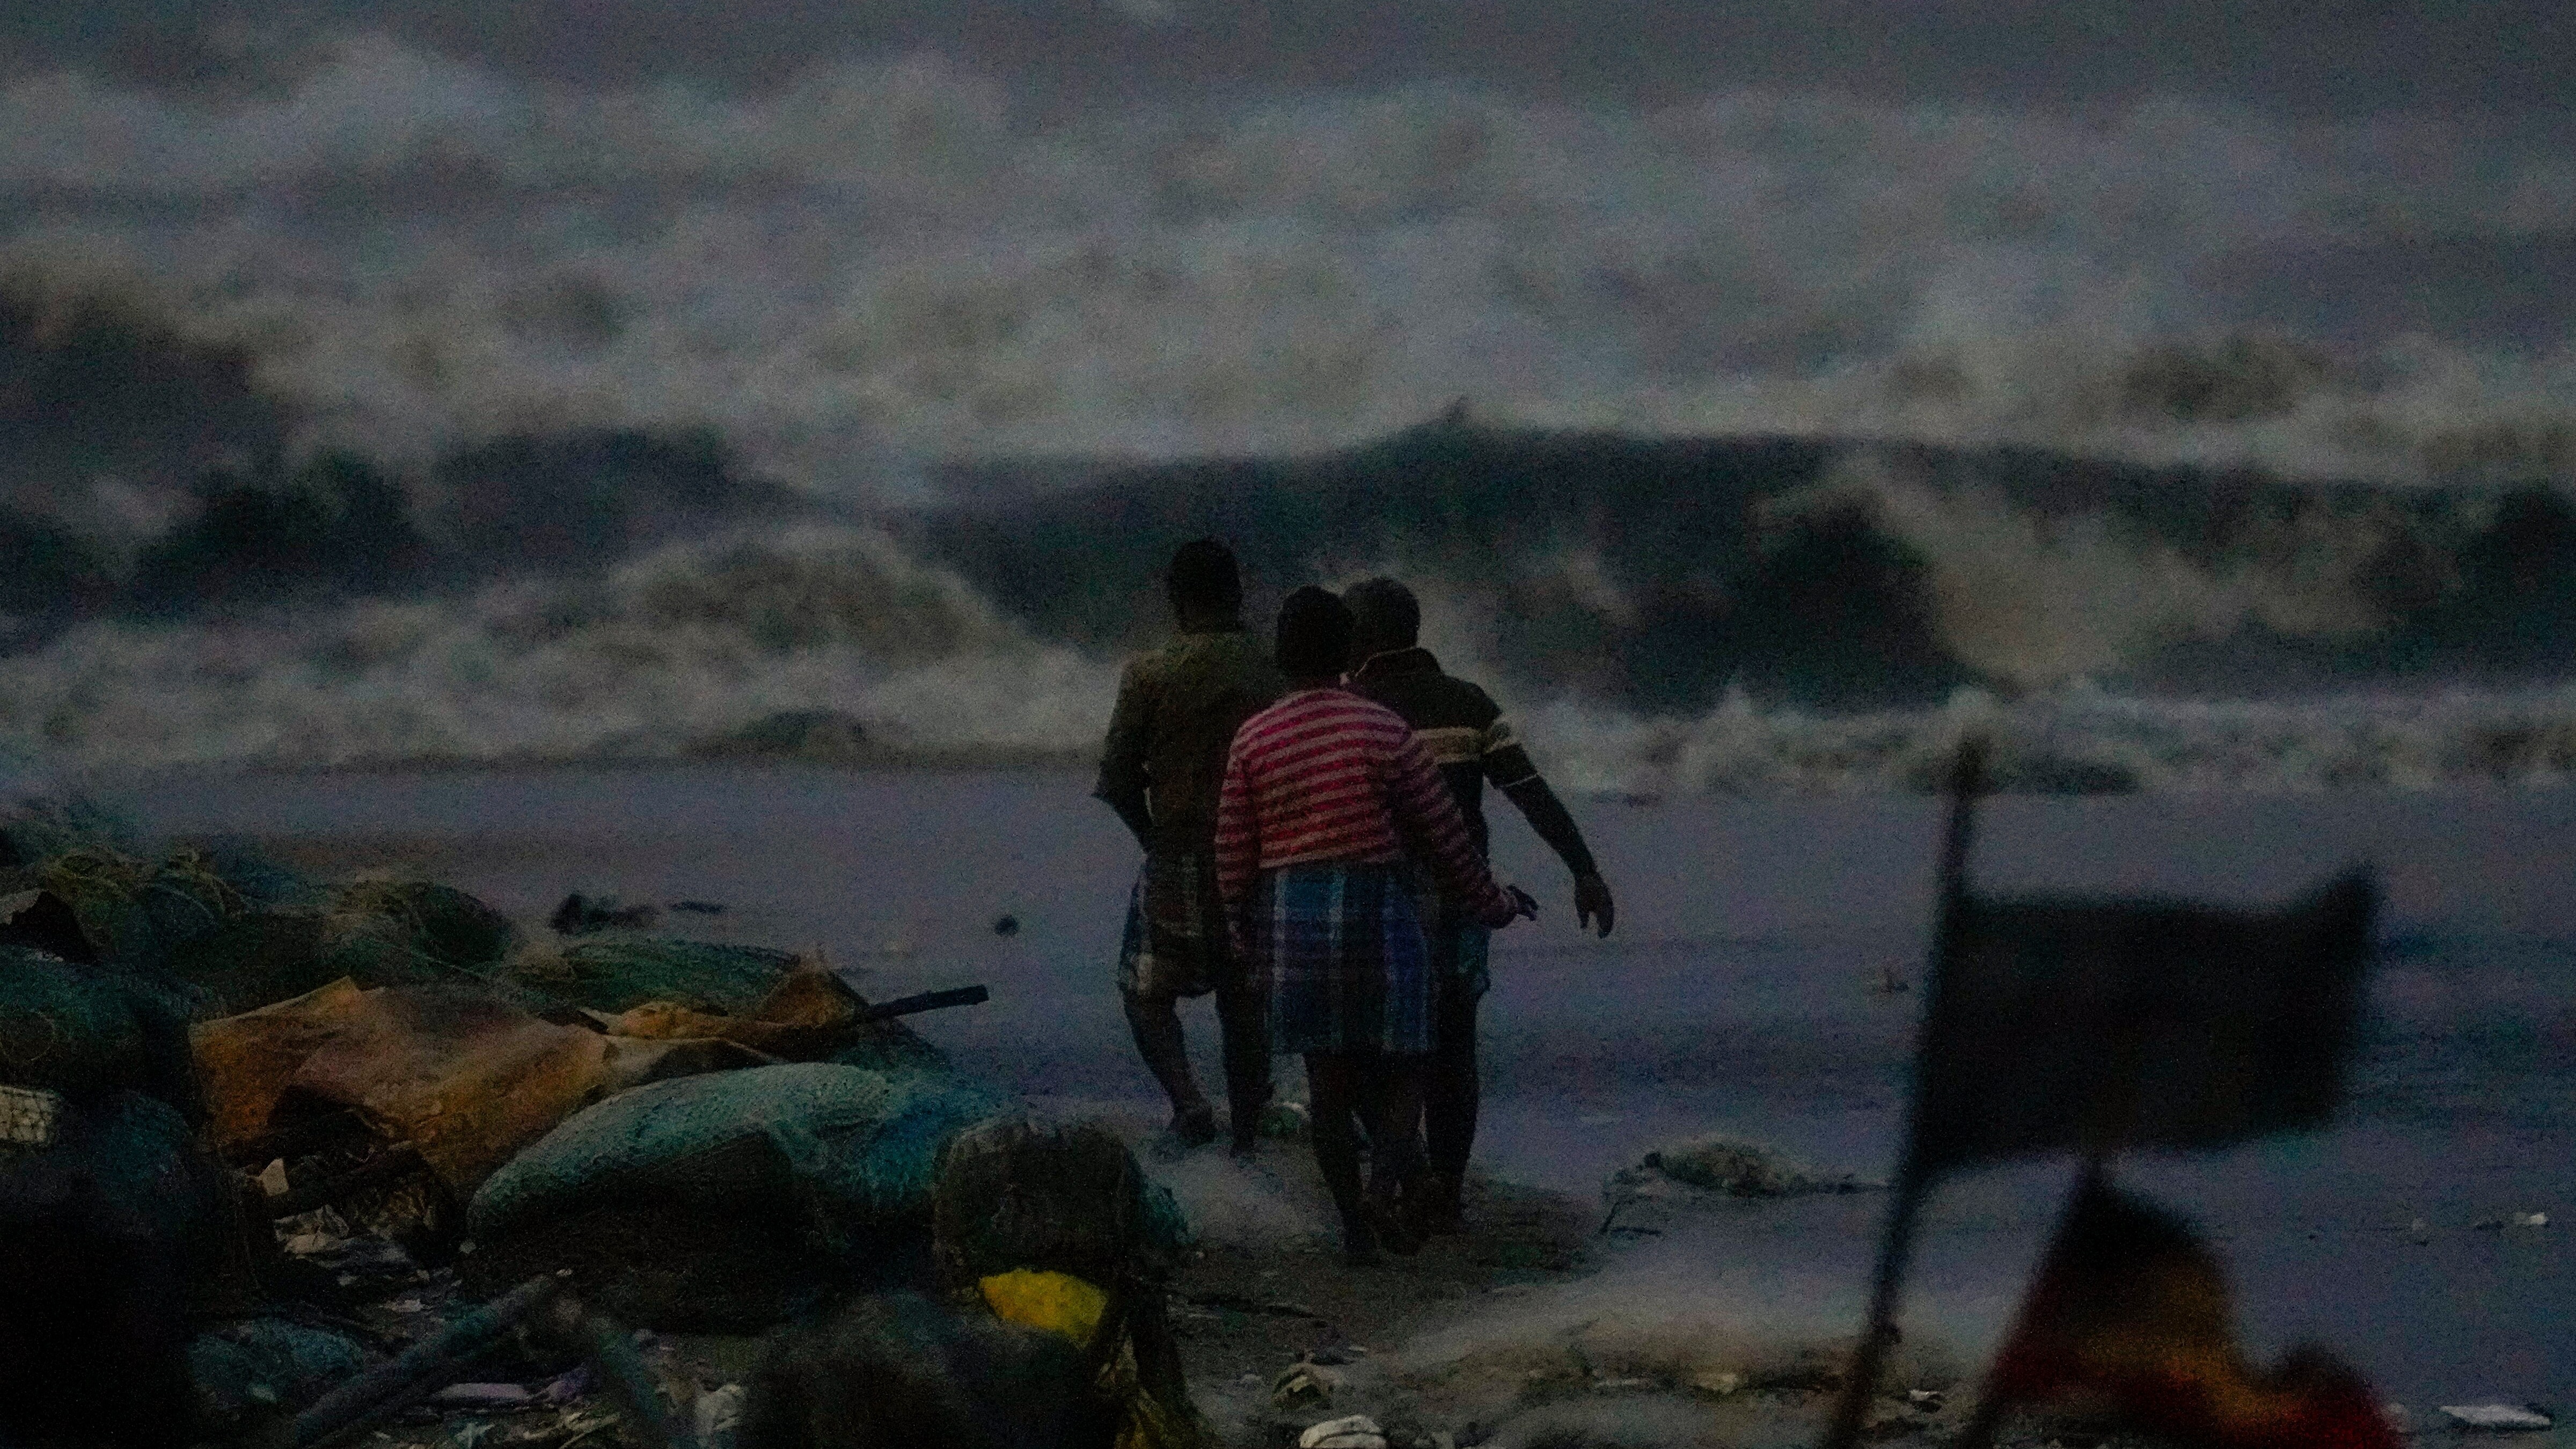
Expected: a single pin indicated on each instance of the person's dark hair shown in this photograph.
(1203, 577)
(1385, 612)
(1314, 634)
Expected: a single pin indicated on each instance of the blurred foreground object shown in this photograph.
(2090, 1025)
(2129, 1317)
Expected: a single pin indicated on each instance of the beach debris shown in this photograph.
(2501, 1418)
(2511, 1220)
(1744, 1169)
(82, 1031)
(718, 1414)
(29, 1117)
(1304, 1385)
(1358, 1431)
(581, 915)
(423, 1368)
(482, 1396)
(41, 921)
(926, 1001)
(806, 1013)
(1286, 1121)
(1644, 1200)
(255, 1368)
(1720, 1382)
(1006, 924)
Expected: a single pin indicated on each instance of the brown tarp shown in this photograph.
(248, 1061)
(467, 1079)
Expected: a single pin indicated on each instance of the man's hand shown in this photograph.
(1592, 898)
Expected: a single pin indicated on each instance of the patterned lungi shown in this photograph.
(1342, 950)
(1176, 942)
(1461, 950)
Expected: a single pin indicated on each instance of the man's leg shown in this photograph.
(1156, 1021)
(1336, 1086)
(1394, 1101)
(1243, 1018)
(1449, 1100)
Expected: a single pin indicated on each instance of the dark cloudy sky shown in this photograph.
(2305, 55)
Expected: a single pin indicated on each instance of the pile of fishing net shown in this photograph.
(729, 1200)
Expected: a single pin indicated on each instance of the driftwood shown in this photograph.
(427, 1367)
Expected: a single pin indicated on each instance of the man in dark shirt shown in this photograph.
(1470, 742)
(1161, 769)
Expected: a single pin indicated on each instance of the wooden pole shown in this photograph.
(1913, 1181)
(926, 1001)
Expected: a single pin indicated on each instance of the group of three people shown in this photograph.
(1313, 824)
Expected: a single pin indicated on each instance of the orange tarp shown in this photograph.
(248, 1060)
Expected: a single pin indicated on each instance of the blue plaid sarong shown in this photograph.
(1342, 950)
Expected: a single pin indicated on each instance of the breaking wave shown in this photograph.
(687, 647)
(388, 406)
(650, 660)
(873, 265)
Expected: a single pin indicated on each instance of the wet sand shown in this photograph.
(1740, 994)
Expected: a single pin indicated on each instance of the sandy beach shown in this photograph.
(1744, 993)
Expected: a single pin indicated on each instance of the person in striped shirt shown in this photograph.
(1324, 796)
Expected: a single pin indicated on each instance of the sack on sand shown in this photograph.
(66, 1029)
(729, 1200)
(83, 1031)
(1015, 1193)
(616, 974)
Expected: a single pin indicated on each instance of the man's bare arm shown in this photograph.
(1123, 776)
(1548, 817)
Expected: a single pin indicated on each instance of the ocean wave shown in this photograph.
(693, 645)
(875, 264)
(650, 660)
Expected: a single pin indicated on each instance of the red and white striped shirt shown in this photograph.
(1326, 775)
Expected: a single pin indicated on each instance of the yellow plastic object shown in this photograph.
(1056, 1302)
(1062, 1303)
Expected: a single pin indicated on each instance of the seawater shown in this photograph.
(1742, 992)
